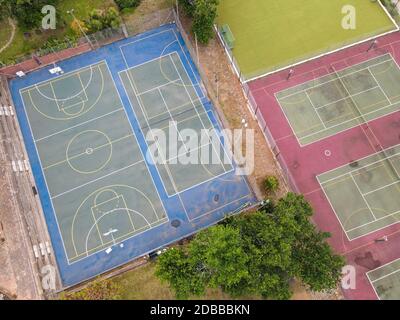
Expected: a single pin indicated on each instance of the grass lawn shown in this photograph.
(22, 45)
(142, 284)
(5, 32)
(275, 33)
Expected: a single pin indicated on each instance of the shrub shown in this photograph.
(125, 4)
(271, 184)
(100, 20)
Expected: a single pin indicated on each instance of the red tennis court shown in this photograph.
(334, 126)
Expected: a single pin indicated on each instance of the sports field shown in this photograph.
(105, 198)
(342, 99)
(333, 125)
(272, 34)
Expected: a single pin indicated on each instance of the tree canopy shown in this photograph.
(257, 253)
(27, 12)
(203, 13)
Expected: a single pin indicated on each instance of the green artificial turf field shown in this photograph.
(271, 34)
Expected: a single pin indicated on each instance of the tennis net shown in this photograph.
(365, 126)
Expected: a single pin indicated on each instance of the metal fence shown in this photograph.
(106, 36)
(255, 110)
(208, 86)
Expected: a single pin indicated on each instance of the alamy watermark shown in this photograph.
(208, 147)
(349, 20)
(49, 21)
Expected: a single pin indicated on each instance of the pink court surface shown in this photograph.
(336, 126)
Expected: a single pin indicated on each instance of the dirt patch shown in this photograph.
(232, 104)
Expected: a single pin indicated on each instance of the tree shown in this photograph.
(219, 257)
(96, 290)
(175, 268)
(257, 253)
(5, 9)
(126, 4)
(203, 13)
(100, 20)
(28, 13)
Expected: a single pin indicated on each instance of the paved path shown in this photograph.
(12, 24)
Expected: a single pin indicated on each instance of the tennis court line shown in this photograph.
(168, 171)
(315, 110)
(136, 139)
(319, 56)
(379, 85)
(381, 188)
(197, 84)
(140, 102)
(351, 172)
(378, 219)
(365, 200)
(159, 87)
(383, 266)
(199, 99)
(79, 124)
(383, 277)
(178, 107)
(296, 134)
(340, 77)
(352, 127)
(193, 104)
(353, 95)
(365, 166)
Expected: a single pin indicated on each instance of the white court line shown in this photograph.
(97, 179)
(194, 106)
(377, 220)
(379, 85)
(364, 158)
(334, 79)
(69, 260)
(387, 275)
(381, 188)
(194, 84)
(315, 110)
(158, 87)
(350, 120)
(176, 108)
(70, 73)
(346, 232)
(358, 169)
(365, 200)
(158, 147)
(301, 138)
(192, 102)
(396, 28)
(381, 267)
(172, 120)
(345, 98)
(79, 124)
